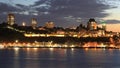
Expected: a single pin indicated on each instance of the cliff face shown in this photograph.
(9, 35)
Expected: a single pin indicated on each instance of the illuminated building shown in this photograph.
(60, 32)
(34, 23)
(41, 28)
(11, 19)
(49, 24)
(92, 24)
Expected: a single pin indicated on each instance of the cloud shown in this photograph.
(62, 12)
(113, 21)
(81, 8)
(7, 8)
(112, 3)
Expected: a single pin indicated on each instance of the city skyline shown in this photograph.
(59, 33)
(65, 13)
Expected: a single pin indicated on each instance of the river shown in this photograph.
(59, 58)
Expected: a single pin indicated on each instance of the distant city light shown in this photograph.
(23, 24)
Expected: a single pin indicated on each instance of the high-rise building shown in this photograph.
(49, 24)
(34, 23)
(11, 19)
(92, 24)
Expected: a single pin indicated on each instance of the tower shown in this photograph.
(11, 19)
(92, 24)
(34, 23)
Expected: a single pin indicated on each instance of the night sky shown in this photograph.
(65, 13)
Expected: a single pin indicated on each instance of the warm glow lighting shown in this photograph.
(59, 35)
(16, 48)
(28, 49)
(72, 46)
(86, 49)
(1, 46)
(95, 48)
(72, 49)
(102, 45)
(35, 35)
(35, 49)
(47, 35)
(65, 45)
(51, 49)
(75, 35)
(16, 41)
(44, 35)
(111, 45)
(86, 36)
(28, 45)
(27, 35)
(23, 24)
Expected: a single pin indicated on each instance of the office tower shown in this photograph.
(11, 19)
(34, 23)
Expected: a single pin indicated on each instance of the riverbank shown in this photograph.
(53, 45)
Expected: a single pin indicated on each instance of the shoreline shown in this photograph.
(71, 47)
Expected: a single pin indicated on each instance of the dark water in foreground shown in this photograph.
(59, 58)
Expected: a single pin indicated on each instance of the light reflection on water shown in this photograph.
(59, 58)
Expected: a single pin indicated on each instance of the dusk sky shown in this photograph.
(65, 13)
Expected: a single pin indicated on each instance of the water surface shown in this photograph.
(59, 58)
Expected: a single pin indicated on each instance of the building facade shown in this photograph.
(92, 24)
(49, 24)
(11, 19)
(34, 23)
